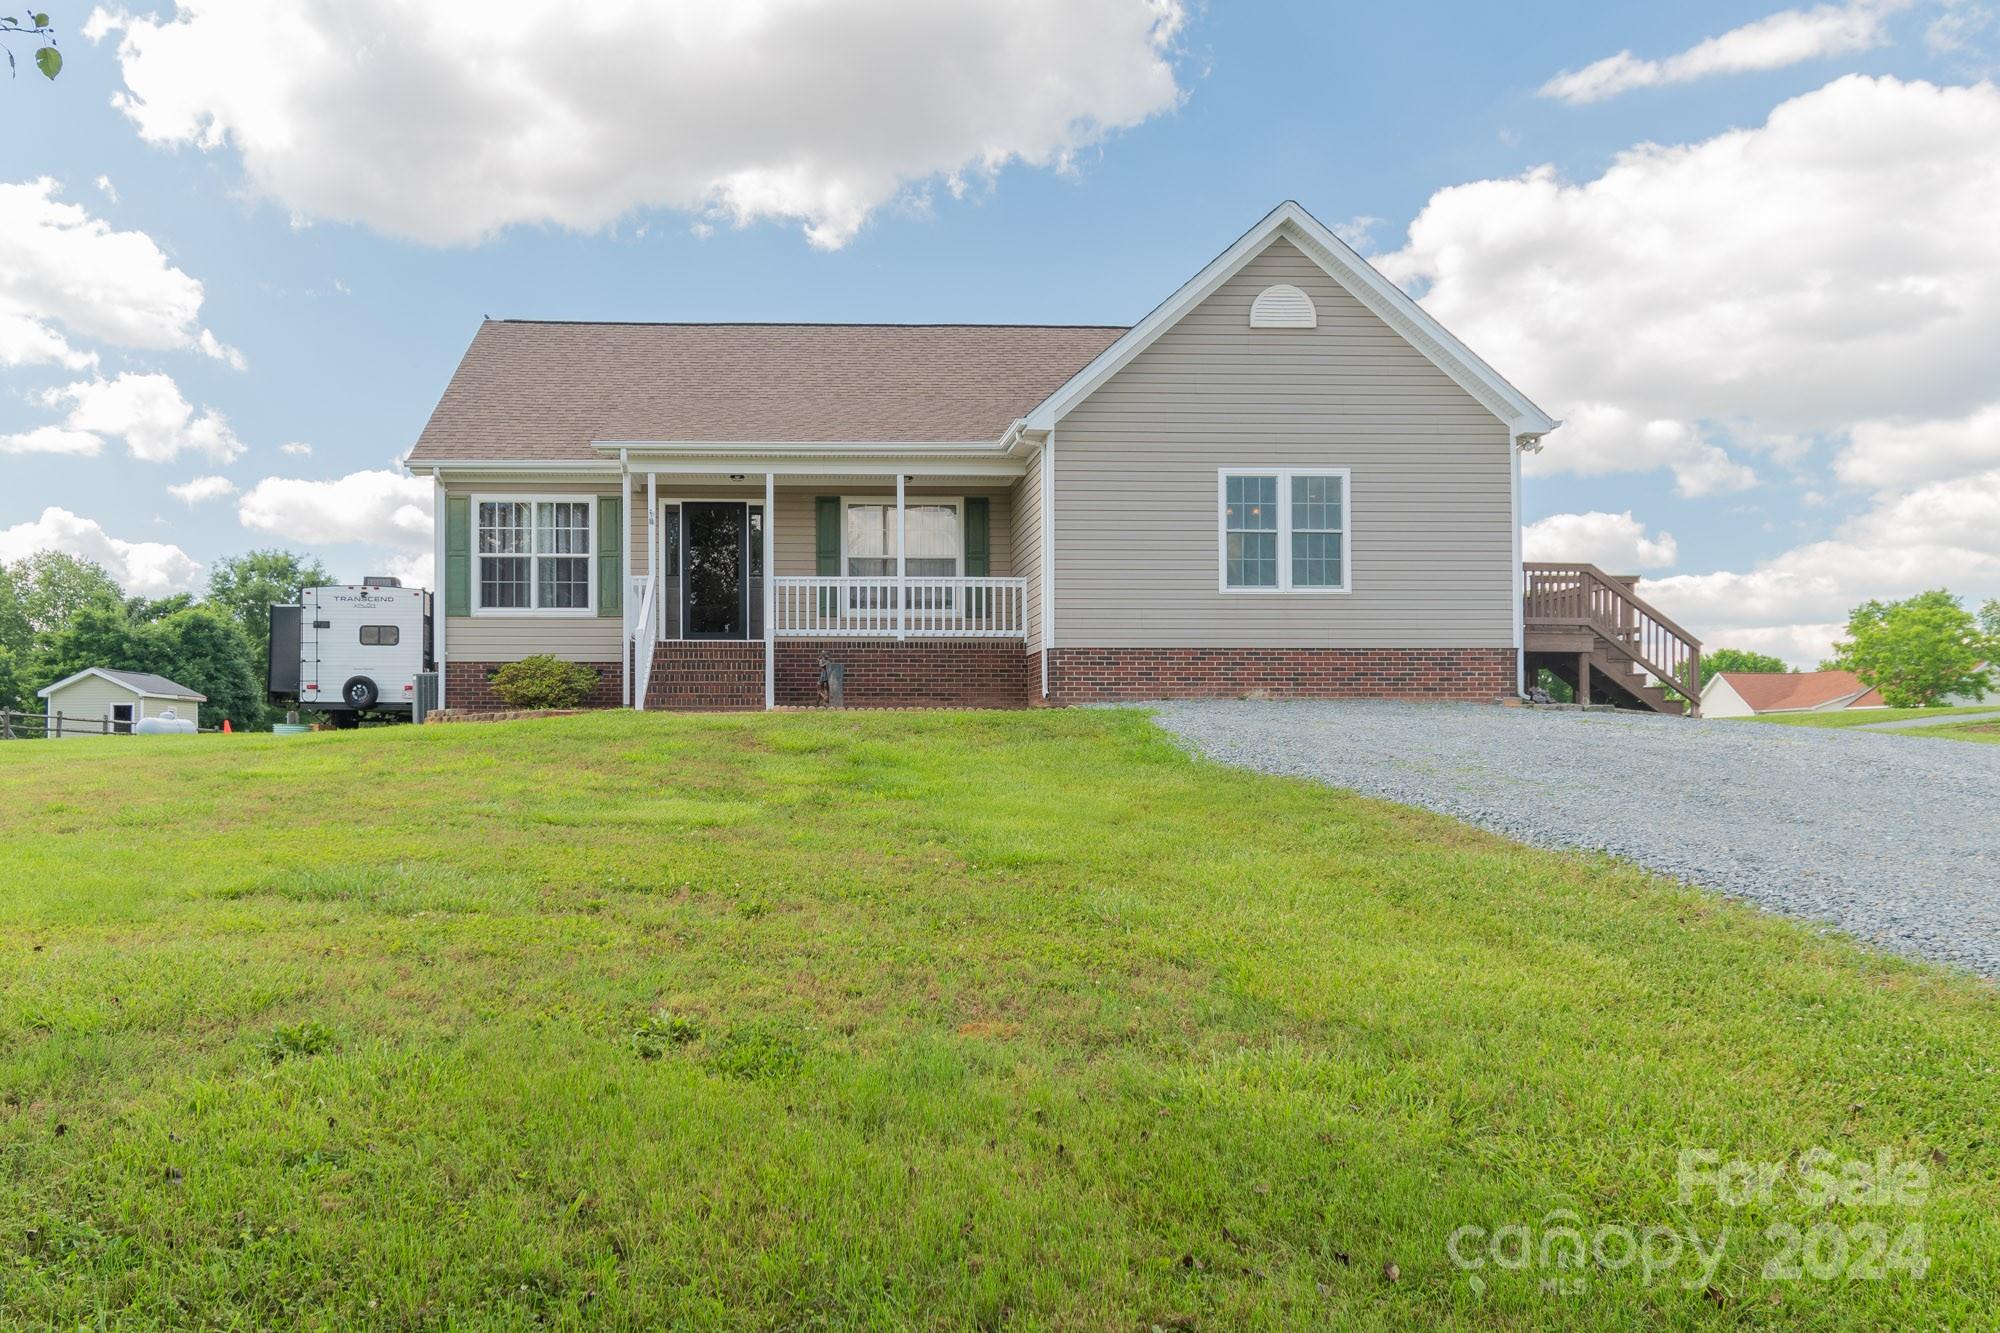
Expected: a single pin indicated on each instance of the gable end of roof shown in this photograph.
(1358, 277)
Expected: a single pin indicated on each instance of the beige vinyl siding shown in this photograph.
(89, 700)
(1026, 536)
(486, 638)
(794, 536)
(1136, 465)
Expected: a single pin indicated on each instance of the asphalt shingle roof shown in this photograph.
(530, 390)
(152, 684)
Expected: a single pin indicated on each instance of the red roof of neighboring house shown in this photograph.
(1796, 691)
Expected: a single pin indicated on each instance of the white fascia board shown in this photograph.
(1385, 299)
(438, 466)
(903, 465)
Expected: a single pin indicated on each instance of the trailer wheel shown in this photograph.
(358, 693)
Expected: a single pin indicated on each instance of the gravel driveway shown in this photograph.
(1895, 839)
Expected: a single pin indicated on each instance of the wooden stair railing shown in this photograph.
(1584, 595)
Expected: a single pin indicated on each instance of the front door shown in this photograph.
(715, 543)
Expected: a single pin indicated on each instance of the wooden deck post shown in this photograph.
(1583, 678)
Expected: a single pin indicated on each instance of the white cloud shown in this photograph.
(1958, 30)
(1598, 438)
(197, 489)
(64, 272)
(1837, 264)
(297, 448)
(379, 507)
(1358, 231)
(109, 190)
(1946, 534)
(52, 440)
(1616, 543)
(1889, 453)
(1788, 37)
(148, 411)
(448, 121)
(144, 569)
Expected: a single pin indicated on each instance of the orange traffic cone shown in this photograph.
(226, 730)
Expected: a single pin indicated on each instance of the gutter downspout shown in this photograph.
(1048, 555)
(1519, 579)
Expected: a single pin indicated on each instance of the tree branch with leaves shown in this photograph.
(47, 58)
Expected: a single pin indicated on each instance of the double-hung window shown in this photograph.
(534, 555)
(936, 549)
(1283, 530)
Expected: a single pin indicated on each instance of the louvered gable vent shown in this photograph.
(1283, 307)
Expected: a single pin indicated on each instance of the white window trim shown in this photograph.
(589, 501)
(1284, 476)
(957, 502)
(131, 720)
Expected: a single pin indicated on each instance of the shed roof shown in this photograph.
(139, 682)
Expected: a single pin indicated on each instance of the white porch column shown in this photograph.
(652, 569)
(625, 645)
(902, 572)
(439, 594)
(770, 591)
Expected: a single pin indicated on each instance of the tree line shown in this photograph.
(1915, 653)
(60, 614)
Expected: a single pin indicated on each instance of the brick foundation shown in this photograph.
(1103, 675)
(916, 673)
(469, 685)
(713, 676)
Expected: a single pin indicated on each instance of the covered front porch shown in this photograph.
(749, 570)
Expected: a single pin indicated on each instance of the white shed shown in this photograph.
(98, 701)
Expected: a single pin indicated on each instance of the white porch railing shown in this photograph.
(644, 633)
(886, 607)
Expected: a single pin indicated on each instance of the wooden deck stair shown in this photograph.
(1594, 633)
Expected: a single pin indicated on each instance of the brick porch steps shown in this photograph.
(706, 677)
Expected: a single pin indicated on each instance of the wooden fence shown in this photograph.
(19, 726)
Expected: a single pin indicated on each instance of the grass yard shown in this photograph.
(1987, 732)
(1861, 717)
(950, 1020)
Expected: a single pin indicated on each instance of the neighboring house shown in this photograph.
(98, 701)
(1964, 698)
(1745, 693)
(1287, 479)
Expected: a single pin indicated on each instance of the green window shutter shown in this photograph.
(610, 556)
(826, 547)
(457, 555)
(978, 536)
(978, 548)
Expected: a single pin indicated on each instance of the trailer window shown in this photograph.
(381, 636)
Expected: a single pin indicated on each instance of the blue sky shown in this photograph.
(1763, 494)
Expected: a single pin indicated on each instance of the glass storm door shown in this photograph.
(715, 541)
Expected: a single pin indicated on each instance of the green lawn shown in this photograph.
(1861, 717)
(1987, 732)
(949, 1020)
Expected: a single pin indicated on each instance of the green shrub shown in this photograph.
(543, 682)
